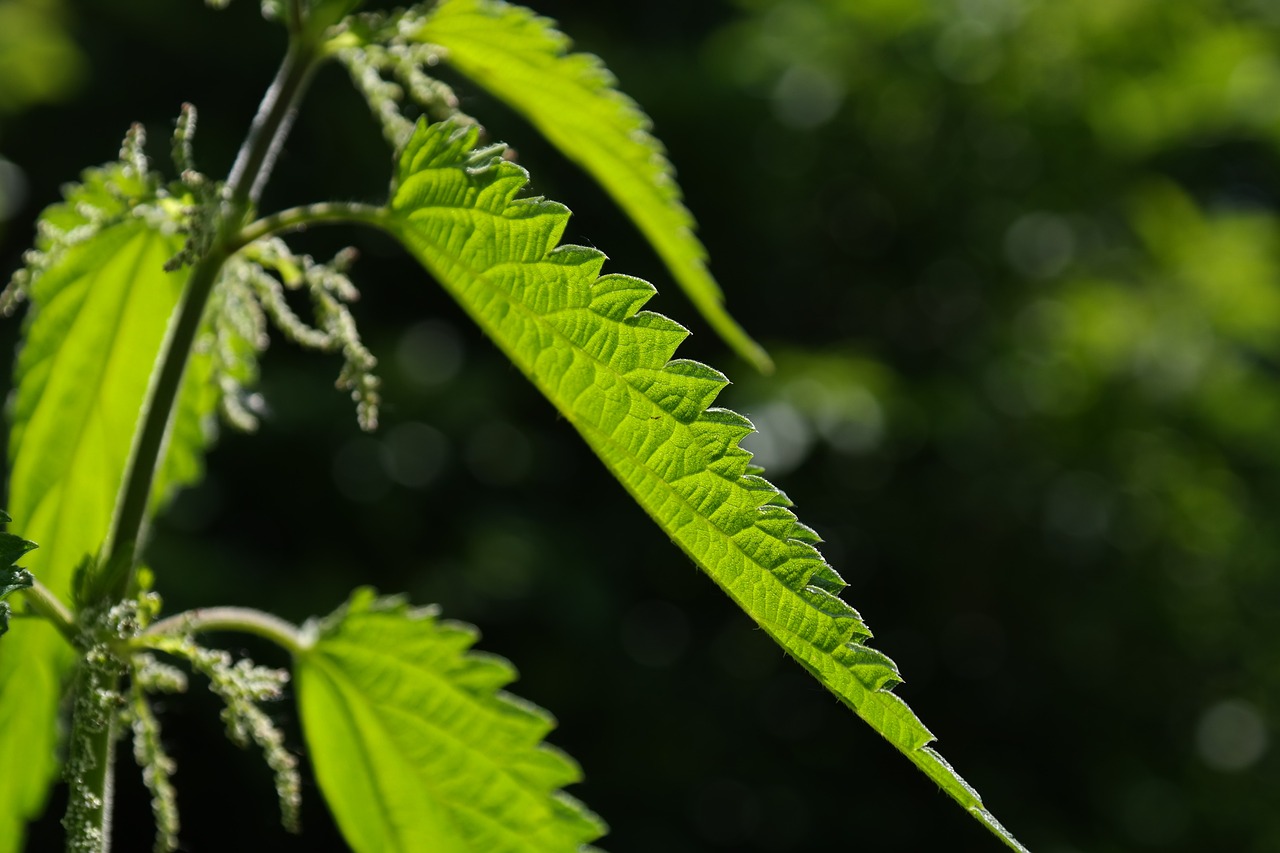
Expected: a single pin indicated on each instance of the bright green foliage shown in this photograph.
(101, 302)
(417, 747)
(571, 98)
(607, 367)
(12, 577)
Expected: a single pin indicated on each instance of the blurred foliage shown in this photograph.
(1072, 209)
(38, 64)
(1031, 401)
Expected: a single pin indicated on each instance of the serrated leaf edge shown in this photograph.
(863, 671)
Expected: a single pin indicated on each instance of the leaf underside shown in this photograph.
(572, 99)
(416, 746)
(100, 309)
(607, 366)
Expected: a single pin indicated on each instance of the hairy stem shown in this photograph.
(89, 812)
(242, 619)
(301, 218)
(90, 760)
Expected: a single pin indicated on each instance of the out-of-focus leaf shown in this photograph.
(38, 61)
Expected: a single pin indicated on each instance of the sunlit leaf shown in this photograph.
(607, 366)
(572, 99)
(417, 747)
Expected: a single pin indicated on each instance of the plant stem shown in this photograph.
(271, 126)
(242, 619)
(42, 600)
(301, 218)
(252, 166)
(90, 760)
(93, 741)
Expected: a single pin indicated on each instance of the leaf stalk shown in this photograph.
(242, 619)
(302, 217)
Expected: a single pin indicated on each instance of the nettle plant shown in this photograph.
(150, 300)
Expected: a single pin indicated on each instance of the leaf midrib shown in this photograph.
(867, 693)
(478, 276)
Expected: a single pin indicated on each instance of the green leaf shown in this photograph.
(416, 747)
(572, 99)
(12, 578)
(101, 304)
(607, 367)
(12, 549)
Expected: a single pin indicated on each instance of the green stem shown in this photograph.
(89, 812)
(42, 600)
(242, 619)
(301, 218)
(90, 759)
(271, 126)
(251, 169)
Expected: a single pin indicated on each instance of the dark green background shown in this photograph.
(1018, 262)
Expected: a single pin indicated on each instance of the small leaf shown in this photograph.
(12, 549)
(416, 747)
(573, 100)
(12, 578)
(607, 367)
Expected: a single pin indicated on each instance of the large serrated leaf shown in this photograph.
(416, 747)
(100, 309)
(607, 367)
(573, 100)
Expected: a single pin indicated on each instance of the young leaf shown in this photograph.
(416, 747)
(582, 340)
(12, 577)
(101, 303)
(572, 99)
(12, 549)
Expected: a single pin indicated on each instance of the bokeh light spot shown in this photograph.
(430, 353)
(1231, 736)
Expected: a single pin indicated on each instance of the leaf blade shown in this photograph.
(607, 366)
(415, 747)
(572, 99)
